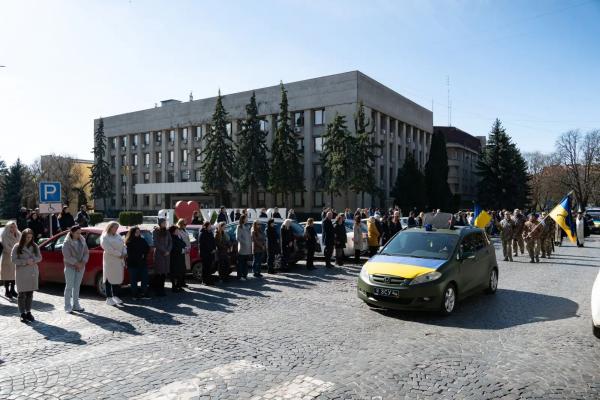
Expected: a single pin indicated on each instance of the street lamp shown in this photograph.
(127, 169)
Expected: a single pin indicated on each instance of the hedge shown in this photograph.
(96, 218)
(130, 218)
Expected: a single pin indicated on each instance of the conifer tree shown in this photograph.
(336, 158)
(436, 175)
(11, 190)
(409, 188)
(365, 149)
(101, 183)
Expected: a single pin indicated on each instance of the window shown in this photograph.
(184, 134)
(123, 141)
(392, 126)
(300, 144)
(264, 125)
(113, 143)
(92, 240)
(318, 144)
(146, 177)
(146, 201)
(185, 176)
(158, 201)
(299, 199)
(318, 199)
(146, 138)
(123, 180)
(146, 159)
(113, 161)
(158, 157)
(123, 201)
(261, 198)
(135, 160)
(134, 140)
(134, 201)
(133, 179)
(198, 175)
(244, 200)
(319, 117)
(158, 137)
(299, 118)
(123, 160)
(184, 155)
(171, 157)
(279, 199)
(170, 177)
(228, 127)
(158, 177)
(172, 136)
(198, 154)
(198, 134)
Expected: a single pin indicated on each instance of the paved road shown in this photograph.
(306, 335)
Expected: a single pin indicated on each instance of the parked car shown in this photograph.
(349, 249)
(593, 216)
(52, 267)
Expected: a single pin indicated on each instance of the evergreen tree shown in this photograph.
(409, 188)
(11, 190)
(286, 166)
(436, 175)
(502, 171)
(335, 158)
(102, 185)
(252, 162)
(365, 150)
(218, 165)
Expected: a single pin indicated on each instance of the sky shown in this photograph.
(533, 64)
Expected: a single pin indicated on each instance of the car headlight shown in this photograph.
(428, 277)
(364, 275)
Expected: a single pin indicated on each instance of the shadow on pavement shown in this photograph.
(109, 324)
(56, 334)
(506, 309)
(8, 307)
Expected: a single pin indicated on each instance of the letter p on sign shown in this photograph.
(50, 192)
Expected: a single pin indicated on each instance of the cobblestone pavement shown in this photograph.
(305, 335)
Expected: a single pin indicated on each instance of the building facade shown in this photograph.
(155, 154)
(463, 152)
(74, 176)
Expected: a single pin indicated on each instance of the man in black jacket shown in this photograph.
(395, 225)
(328, 238)
(207, 245)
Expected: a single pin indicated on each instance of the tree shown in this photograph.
(580, 156)
(436, 175)
(252, 163)
(286, 165)
(409, 188)
(502, 171)
(219, 157)
(365, 150)
(101, 182)
(11, 195)
(545, 179)
(335, 158)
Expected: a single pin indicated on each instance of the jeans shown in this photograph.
(111, 290)
(24, 300)
(339, 256)
(208, 261)
(257, 263)
(328, 253)
(138, 274)
(242, 266)
(271, 261)
(72, 284)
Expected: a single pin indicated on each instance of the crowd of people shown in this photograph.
(43, 224)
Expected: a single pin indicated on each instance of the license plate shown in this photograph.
(386, 292)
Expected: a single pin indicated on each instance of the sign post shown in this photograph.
(50, 196)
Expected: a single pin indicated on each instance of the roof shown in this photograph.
(455, 135)
(458, 230)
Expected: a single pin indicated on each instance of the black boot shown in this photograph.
(7, 291)
(12, 289)
(29, 316)
(24, 318)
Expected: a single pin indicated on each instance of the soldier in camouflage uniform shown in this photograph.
(550, 238)
(531, 235)
(519, 220)
(507, 231)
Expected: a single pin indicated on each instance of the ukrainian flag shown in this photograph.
(481, 218)
(563, 217)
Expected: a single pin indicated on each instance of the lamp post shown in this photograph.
(127, 172)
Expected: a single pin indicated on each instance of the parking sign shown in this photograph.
(50, 192)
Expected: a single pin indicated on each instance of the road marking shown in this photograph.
(301, 388)
(201, 384)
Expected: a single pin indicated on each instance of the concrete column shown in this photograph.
(396, 153)
(163, 172)
(118, 173)
(129, 186)
(386, 159)
(403, 143)
(378, 161)
(140, 168)
(191, 152)
(177, 149)
(152, 170)
(307, 133)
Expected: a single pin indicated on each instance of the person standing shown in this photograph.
(82, 218)
(395, 224)
(22, 217)
(531, 235)
(384, 227)
(196, 218)
(373, 236)
(222, 217)
(412, 220)
(292, 215)
(208, 245)
(276, 213)
(36, 225)
(258, 248)
(244, 240)
(311, 238)
(185, 236)
(113, 262)
(65, 219)
(357, 238)
(518, 243)
(222, 251)
(328, 238)
(162, 256)
(177, 260)
(75, 256)
(25, 255)
(10, 237)
(580, 230)
(340, 238)
(287, 243)
(507, 230)
(273, 245)
(137, 264)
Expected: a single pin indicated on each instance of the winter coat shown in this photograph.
(373, 234)
(222, 217)
(222, 243)
(75, 251)
(207, 242)
(394, 227)
(37, 226)
(310, 235)
(259, 241)
(357, 237)
(82, 218)
(66, 221)
(162, 245)
(112, 263)
(185, 236)
(507, 228)
(531, 231)
(27, 276)
(339, 235)
(412, 222)
(287, 237)
(580, 230)
(137, 252)
(328, 236)
(242, 234)
(177, 262)
(273, 245)
(7, 268)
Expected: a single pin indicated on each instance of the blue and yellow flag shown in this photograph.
(563, 217)
(481, 218)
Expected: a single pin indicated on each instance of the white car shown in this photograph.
(349, 249)
(596, 306)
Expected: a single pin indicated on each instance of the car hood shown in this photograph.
(405, 267)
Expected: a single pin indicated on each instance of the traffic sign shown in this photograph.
(50, 208)
(50, 192)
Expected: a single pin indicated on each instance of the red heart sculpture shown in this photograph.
(185, 210)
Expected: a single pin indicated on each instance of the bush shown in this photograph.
(96, 218)
(130, 218)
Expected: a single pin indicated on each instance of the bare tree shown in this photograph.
(63, 169)
(580, 155)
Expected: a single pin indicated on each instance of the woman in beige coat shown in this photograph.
(10, 237)
(113, 262)
(25, 256)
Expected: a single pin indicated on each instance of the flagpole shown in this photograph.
(547, 215)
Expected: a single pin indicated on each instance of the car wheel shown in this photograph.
(492, 282)
(596, 330)
(197, 271)
(99, 285)
(448, 299)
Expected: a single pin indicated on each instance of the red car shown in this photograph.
(52, 267)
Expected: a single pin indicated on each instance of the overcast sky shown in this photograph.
(533, 64)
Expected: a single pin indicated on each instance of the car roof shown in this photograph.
(458, 230)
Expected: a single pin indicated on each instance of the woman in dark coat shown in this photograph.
(162, 256)
(177, 265)
(208, 247)
(273, 245)
(310, 235)
(287, 243)
(36, 225)
(137, 254)
(339, 238)
(65, 219)
(223, 245)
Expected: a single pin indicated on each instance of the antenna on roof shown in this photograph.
(191, 97)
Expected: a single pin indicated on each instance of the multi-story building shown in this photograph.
(155, 154)
(463, 152)
(74, 176)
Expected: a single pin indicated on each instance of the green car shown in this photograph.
(427, 268)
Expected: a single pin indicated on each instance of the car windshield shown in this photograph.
(594, 214)
(421, 245)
